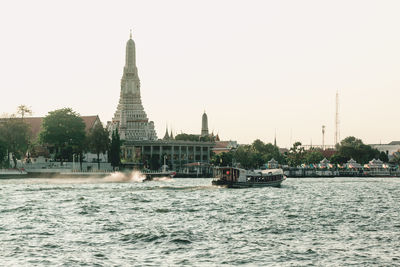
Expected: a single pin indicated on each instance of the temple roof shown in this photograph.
(375, 161)
(325, 161)
(272, 161)
(351, 161)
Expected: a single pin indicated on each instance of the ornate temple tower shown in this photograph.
(204, 125)
(130, 118)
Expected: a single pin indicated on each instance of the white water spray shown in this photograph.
(163, 179)
(134, 176)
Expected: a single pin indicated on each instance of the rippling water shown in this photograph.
(103, 222)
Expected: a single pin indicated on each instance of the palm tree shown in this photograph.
(22, 109)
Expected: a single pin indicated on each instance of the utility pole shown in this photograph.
(337, 131)
(323, 137)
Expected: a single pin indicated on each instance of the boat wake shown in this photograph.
(133, 177)
(115, 177)
(163, 179)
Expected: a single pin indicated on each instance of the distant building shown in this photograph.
(389, 149)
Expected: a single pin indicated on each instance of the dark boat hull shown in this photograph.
(276, 183)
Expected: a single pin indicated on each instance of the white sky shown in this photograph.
(254, 66)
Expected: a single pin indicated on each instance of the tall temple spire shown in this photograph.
(166, 136)
(204, 124)
(130, 34)
(130, 57)
(130, 117)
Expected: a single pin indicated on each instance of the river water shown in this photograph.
(111, 222)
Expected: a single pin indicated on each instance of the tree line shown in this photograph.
(259, 153)
(62, 134)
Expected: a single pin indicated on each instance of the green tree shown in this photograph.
(187, 137)
(223, 159)
(313, 156)
(338, 159)
(296, 155)
(64, 130)
(268, 151)
(3, 153)
(98, 141)
(206, 138)
(351, 147)
(15, 133)
(383, 156)
(115, 150)
(248, 157)
(259, 146)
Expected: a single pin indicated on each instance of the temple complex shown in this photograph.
(140, 146)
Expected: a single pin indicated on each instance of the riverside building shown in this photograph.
(140, 145)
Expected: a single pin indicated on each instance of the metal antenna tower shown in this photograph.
(337, 130)
(323, 137)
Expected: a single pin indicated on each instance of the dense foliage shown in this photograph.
(15, 136)
(98, 141)
(115, 150)
(187, 137)
(250, 156)
(354, 148)
(222, 159)
(297, 155)
(62, 134)
(258, 154)
(193, 138)
(313, 156)
(3, 153)
(64, 130)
